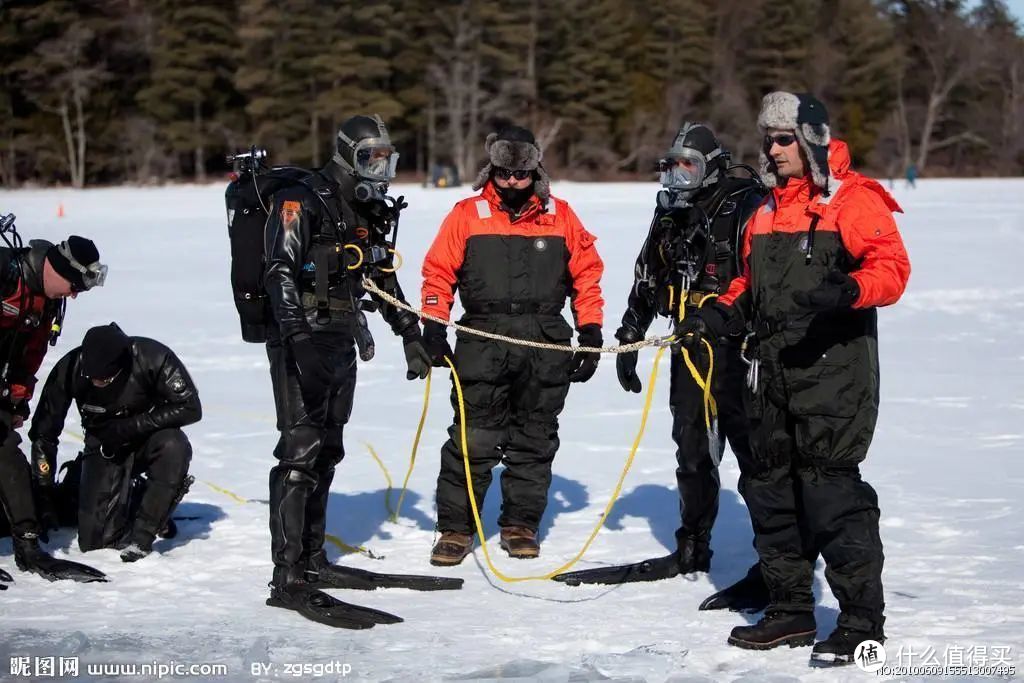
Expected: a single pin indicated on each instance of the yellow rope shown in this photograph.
(608, 508)
(233, 496)
(710, 406)
(387, 477)
(415, 446)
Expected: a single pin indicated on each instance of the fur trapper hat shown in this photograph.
(515, 148)
(807, 117)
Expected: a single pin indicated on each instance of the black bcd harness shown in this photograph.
(248, 200)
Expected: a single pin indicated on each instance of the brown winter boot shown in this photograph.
(451, 549)
(519, 542)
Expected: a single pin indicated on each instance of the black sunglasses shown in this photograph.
(782, 140)
(506, 173)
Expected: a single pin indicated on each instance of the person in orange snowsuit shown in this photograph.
(514, 254)
(822, 253)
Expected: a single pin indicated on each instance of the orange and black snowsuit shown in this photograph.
(25, 328)
(513, 274)
(814, 407)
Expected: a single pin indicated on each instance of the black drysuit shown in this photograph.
(308, 228)
(149, 402)
(698, 245)
(25, 323)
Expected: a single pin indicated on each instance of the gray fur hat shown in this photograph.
(516, 149)
(807, 117)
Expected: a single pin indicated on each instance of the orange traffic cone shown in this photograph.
(60, 210)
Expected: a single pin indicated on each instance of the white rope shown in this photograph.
(369, 286)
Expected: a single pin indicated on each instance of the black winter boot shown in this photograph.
(839, 648)
(795, 629)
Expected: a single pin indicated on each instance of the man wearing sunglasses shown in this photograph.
(821, 255)
(514, 253)
(34, 283)
(134, 395)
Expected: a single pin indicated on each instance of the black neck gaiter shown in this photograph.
(513, 197)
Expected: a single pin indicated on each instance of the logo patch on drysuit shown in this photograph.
(44, 467)
(431, 300)
(86, 408)
(178, 385)
(540, 244)
(362, 233)
(290, 214)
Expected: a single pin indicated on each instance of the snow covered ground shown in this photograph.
(947, 461)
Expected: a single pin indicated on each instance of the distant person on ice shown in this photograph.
(690, 255)
(820, 255)
(912, 176)
(134, 395)
(35, 283)
(514, 254)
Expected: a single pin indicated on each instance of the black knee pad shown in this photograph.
(171, 440)
(332, 451)
(291, 476)
(300, 447)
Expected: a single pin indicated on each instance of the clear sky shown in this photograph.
(1017, 7)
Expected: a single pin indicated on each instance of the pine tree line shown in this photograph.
(110, 91)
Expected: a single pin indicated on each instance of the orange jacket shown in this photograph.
(858, 210)
(541, 257)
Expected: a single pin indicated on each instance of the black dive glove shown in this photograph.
(584, 365)
(707, 322)
(625, 363)
(838, 291)
(417, 360)
(116, 432)
(435, 339)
